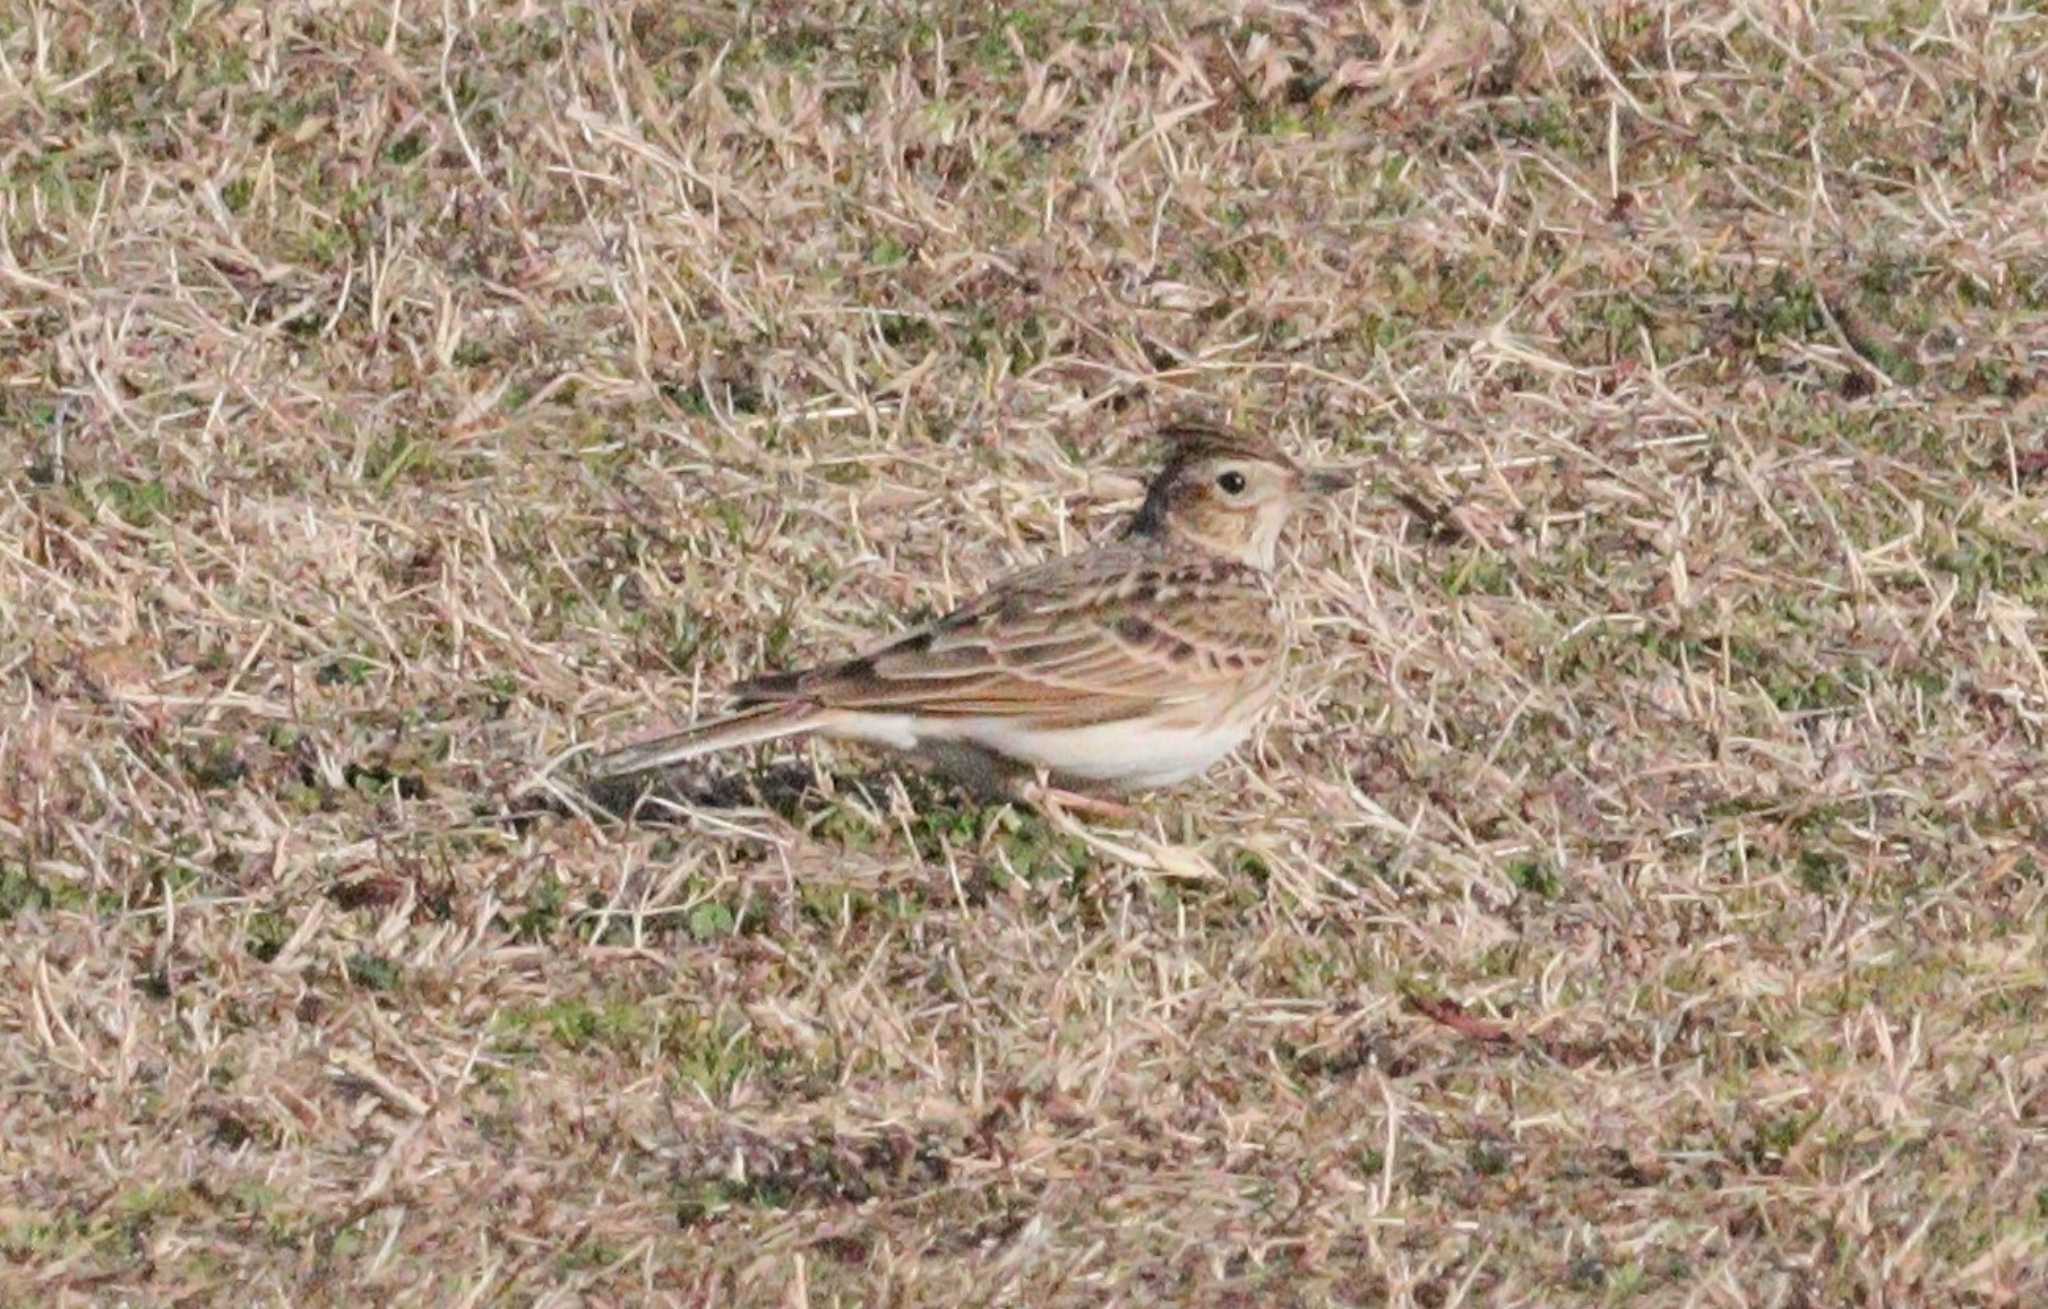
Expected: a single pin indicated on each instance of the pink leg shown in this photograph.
(1041, 794)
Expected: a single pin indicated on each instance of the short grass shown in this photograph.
(1639, 899)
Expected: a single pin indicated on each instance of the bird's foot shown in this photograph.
(1040, 793)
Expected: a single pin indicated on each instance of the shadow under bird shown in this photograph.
(1134, 664)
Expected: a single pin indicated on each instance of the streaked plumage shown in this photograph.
(1135, 664)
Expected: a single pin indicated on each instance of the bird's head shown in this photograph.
(1228, 493)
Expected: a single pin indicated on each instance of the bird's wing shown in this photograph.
(1111, 634)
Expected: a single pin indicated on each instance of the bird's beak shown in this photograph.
(1327, 481)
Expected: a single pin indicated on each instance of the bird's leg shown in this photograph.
(1082, 802)
(1039, 792)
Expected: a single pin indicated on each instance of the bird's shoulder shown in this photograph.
(1186, 606)
(1086, 637)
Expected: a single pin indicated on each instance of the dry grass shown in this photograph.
(1641, 899)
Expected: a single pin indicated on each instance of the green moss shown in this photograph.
(373, 972)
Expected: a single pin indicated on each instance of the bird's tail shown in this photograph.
(763, 722)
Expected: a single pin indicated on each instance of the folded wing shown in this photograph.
(1107, 636)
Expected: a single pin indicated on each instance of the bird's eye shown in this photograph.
(1232, 482)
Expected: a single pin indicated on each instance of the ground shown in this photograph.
(1639, 896)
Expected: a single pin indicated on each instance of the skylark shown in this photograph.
(1134, 664)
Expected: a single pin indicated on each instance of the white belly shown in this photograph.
(1116, 754)
(1112, 754)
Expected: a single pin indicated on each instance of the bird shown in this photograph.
(1131, 665)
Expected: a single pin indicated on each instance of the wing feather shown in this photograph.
(1097, 637)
